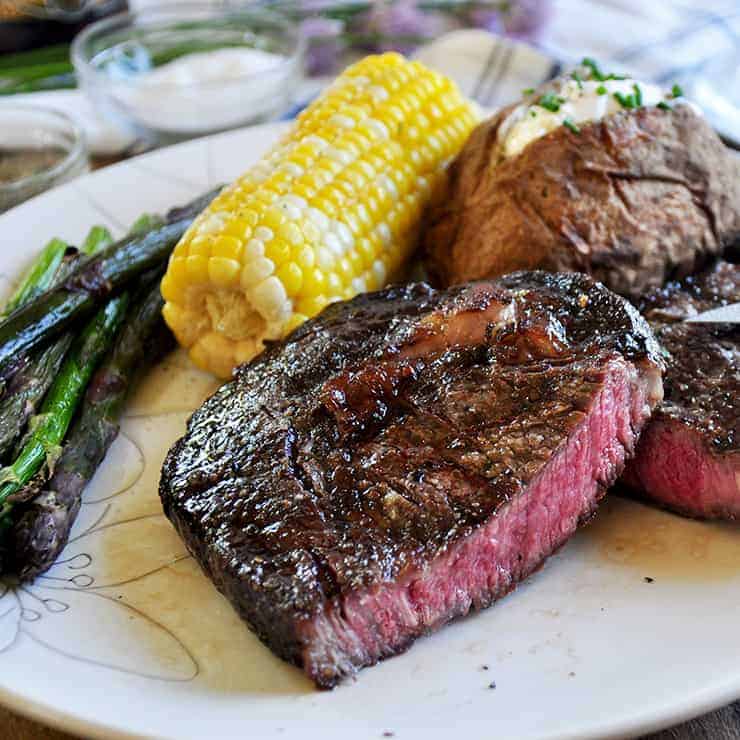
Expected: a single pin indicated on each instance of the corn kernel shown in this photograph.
(344, 270)
(324, 258)
(291, 234)
(278, 251)
(333, 284)
(367, 249)
(256, 271)
(273, 219)
(305, 258)
(314, 283)
(250, 217)
(291, 276)
(170, 291)
(227, 246)
(312, 305)
(311, 232)
(356, 262)
(201, 245)
(197, 268)
(223, 272)
(269, 299)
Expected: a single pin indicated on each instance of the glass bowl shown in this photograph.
(39, 148)
(179, 71)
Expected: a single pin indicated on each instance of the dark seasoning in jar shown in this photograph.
(18, 164)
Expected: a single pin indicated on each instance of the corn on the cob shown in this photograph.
(332, 211)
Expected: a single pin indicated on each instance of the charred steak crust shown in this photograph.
(689, 457)
(634, 200)
(331, 485)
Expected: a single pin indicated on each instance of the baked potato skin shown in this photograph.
(635, 199)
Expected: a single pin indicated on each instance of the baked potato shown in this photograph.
(642, 194)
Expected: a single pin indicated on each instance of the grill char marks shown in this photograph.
(689, 457)
(407, 456)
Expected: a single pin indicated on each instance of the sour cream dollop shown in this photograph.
(589, 100)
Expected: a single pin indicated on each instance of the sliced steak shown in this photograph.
(688, 458)
(408, 456)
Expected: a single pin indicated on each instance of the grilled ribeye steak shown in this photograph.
(688, 458)
(408, 456)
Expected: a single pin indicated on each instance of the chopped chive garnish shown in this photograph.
(664, 106)
(578, 79)
(527, 91)
(596, 73)
(638, 95)
(601, 90)
(626, 101)
(572, 126)
(533, 113)
(551, 102)
(676, 91)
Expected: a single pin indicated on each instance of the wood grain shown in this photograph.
(723, 724)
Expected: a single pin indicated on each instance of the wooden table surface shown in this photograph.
(721, 725)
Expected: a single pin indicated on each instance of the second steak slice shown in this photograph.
(409, 456)
(688, 458)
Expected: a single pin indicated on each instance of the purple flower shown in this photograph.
(489, 19)
(522, 19)
(400, 25)
(311, 7)
(525, 19)
(324, 37)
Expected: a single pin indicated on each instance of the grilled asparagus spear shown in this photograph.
(49, 314)
(42, 527)
(39, 277)
(49, 427)
(30, 383)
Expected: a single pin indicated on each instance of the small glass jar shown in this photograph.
(40, 148)
(120, 62)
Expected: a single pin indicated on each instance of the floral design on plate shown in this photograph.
(120, 541)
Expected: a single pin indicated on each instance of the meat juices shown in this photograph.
(409, 456)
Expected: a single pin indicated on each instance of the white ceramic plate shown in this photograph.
(125, 636)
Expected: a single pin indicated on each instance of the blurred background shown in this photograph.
(167, 71)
